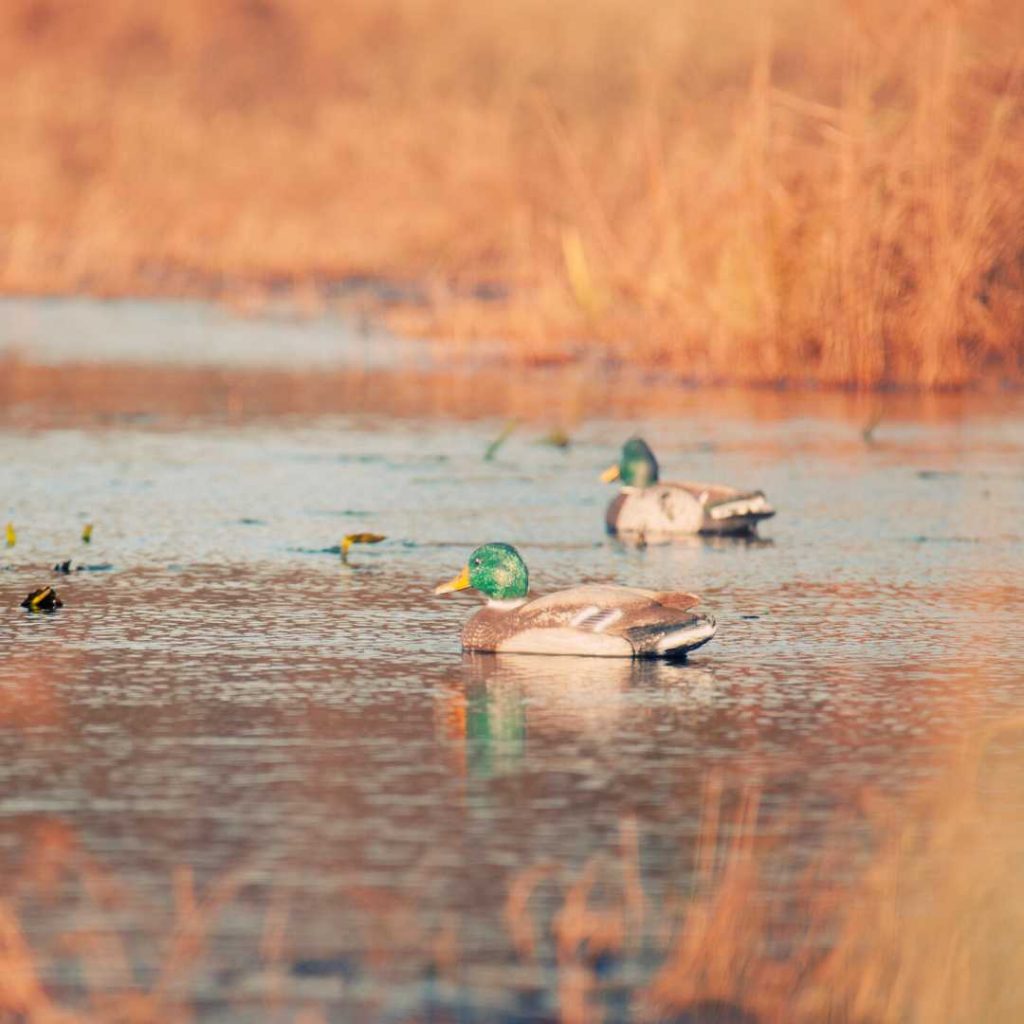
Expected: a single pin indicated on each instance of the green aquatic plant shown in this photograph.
(506, 432)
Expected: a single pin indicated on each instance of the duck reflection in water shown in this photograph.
(500, 703)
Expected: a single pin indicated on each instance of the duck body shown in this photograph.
(647, 506)
(595, 621)
(686, 508)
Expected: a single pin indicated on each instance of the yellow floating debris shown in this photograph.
(358, 538)
(87, 533)
(12, 537)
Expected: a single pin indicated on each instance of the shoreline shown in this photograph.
(377, 310)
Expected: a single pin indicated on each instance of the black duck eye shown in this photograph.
(477, 562)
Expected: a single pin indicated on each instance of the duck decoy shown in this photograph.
(598, 619)
(645, 505)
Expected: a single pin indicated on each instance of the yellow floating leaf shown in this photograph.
(359, 538)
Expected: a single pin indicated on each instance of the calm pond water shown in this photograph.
(357, 798)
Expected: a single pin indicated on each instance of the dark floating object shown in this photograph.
(922, 539)
(339, 513)
(66, 567)
(340, 966)
(44, 599)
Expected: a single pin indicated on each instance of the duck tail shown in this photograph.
(672, 639)
(750, 507)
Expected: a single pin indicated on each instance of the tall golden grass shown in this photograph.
(923, 923)
(931, 930)
(756, 193)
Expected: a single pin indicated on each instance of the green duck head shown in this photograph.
(496, 570)
(637, 466)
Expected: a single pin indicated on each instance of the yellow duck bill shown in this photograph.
(460, 582)
(610, 474)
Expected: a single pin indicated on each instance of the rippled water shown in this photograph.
(228, 697)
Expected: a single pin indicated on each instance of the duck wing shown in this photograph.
(597, 620)
(727, 510)
(721, 502)
(567, 605)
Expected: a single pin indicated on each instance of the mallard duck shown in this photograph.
(44, 599)
(644, 505)
(599, 620)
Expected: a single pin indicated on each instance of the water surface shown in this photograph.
(221, 694)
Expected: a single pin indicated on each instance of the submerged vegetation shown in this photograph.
(809, 192)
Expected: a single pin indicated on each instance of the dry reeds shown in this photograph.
(785, 192)
(932, 930)
(936, 929)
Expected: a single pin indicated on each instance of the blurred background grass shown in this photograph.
(786, 191)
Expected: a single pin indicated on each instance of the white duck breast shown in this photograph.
(661, 507)
(601, 621)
